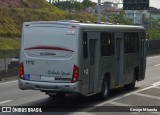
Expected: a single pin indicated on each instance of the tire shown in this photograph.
(105, 89)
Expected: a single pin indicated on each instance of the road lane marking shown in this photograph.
(157, 65)
(145, 95)
(120, 104)
(120, 97)
(156, 83)
(7, 101)
(8, 82)
(157, 87)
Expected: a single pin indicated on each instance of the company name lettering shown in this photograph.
(50, 72)
(47, 53)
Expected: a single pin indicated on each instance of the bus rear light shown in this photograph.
(75, 75)
(21, 71)
(73, 26)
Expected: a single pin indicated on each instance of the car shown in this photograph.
(13, 63)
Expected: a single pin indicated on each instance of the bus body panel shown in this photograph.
(51, 50)
(48, 54)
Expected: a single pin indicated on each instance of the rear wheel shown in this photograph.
(105, 89)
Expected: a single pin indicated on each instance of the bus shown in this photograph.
(66, 57)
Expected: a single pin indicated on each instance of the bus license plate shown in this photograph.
(47, 78)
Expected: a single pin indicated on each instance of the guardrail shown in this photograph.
(5, 58)
(8, 73)
(153, 47)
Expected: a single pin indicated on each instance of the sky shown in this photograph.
(153, 3)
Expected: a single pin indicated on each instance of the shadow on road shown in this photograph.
(72, 103)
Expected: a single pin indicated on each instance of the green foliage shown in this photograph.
(12, 19)
(154, 33)
(81, 17)
(9, 43)
(69, 5)
(87, 3)
(120, 19)
(26, 3)
(78, 5)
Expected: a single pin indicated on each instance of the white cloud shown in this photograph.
(155, 3)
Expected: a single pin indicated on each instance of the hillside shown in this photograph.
(14, 12)
(34, 4)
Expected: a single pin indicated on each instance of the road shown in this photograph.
(146, 93)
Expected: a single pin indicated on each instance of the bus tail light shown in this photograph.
(21, 71)
(75, 75)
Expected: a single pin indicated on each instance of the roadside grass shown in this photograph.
(9, 47)
(9, 43)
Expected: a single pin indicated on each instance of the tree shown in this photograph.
(87, 3)
(78, 6)
(120, 19)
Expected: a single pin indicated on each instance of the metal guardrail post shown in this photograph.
(0, 77)
(5, 63)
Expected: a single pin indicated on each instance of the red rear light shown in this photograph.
(75, 74)
(73, 26)
(21, 71)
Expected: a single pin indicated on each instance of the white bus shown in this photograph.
(59, 57)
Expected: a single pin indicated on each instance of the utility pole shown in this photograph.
(99, 11)
(50, 1)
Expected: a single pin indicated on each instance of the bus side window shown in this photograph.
(131, 42)
(85, 45)
(107, 44)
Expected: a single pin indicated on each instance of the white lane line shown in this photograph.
(8, 82)
(156, 83)
(120, 97)
(157, 87)
(157, 65)
(149, 96)
(7, 101)
(120, 104)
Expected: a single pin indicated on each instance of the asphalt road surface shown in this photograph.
(146, 93)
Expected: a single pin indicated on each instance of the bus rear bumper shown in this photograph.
(49, 86)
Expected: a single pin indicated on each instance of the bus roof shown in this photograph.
(85, 26)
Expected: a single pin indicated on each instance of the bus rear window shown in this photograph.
(49, 37)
